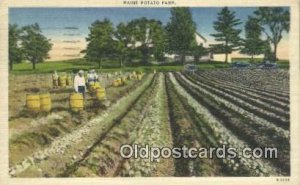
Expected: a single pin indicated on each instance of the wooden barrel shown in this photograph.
(134, 76)
(100, 94)
(62, 80)
(33, 102)
(91, 86)
(76, 102)
(120, 81)
(91, 83)
(45, 102)
(115, 83)
(124, 80)
(94, 86)
(97, 85)
(69, 80)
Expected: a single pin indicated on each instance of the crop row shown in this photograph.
(153, 132)
(240, 125)
(104, 158)
(274, 81)
(94, 128)
(251, 97)
(280, 132)
(188, 130)
(280, 97)
(257, 112)
(225, 136)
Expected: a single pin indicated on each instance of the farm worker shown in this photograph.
(55, 79)
(95, 75)
(79, 83)
(90, 77)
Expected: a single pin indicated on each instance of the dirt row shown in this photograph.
(141, 125)
(241, 126)
(186, 132)
(50, 161)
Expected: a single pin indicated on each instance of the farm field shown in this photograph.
(208, 108)
(110, 66)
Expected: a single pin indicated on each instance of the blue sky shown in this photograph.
(52, 20)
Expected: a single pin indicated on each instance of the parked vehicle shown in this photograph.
(190, 68)
(237, 65)
(268, 65)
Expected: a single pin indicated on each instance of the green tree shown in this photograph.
(35, 45)
(253, 44)
(181, 32)
(100, 41)
(123, 39)
(159, 40)
(198, 51)
(274, 22)
(15, 50)
(140, 36)
(268, 53)
(148, 36)
(227, 34)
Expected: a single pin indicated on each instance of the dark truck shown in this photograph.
(268, 65)
(239, 65)
(191, 68)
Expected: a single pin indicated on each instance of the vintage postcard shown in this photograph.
(150, 92)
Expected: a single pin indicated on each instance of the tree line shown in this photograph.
(142, 39)
(27, 43)
(263, 31)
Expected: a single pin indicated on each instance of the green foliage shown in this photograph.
(15, 50)
(181, 31)
(198, 51)
(159, 40)
(123, 36)
(227, 35)
(274, 21)
(253, 44)
(100, 41)
(148, 36)
(35, 45)
(268, 53)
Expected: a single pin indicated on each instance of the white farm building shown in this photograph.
(200, 40)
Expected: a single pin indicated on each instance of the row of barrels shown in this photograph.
(123, 80)
(38, 103)
(66, 79)
(63, 80)
(42, 102)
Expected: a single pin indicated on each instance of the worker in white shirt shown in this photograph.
(90, 77)
(95, 75)
(79, 83)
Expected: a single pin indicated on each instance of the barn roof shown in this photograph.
(201, 36)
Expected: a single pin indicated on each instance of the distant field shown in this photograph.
(112, 66)
(107, 66)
